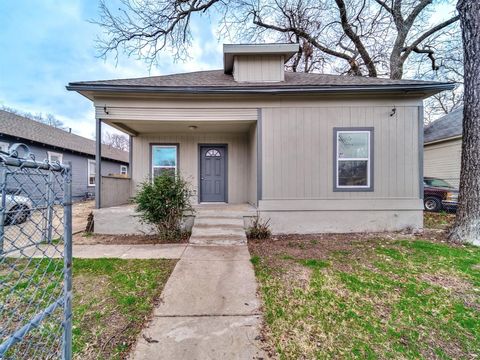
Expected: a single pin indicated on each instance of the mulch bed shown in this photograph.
(92, 239)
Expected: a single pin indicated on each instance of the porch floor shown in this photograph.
(125, 220)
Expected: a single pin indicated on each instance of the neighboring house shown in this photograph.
(312, 152)
(443, 147)
(48, 143)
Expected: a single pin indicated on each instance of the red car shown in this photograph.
(439, 195)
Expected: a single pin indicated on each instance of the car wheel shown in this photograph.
(432, 204)
(17, 215)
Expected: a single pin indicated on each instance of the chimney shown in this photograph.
(257, 62)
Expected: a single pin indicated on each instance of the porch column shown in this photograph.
(130, 155)
(98, 163)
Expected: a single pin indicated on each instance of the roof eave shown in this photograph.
(437, 141)
(429, 88)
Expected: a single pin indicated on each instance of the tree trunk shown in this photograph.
(467, 223)
(396, 65)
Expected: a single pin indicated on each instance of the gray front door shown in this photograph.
(213, 173)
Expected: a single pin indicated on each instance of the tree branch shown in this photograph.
(416, 11)
(408, 49)
(385, 6)
(347, 28)
(430, 53)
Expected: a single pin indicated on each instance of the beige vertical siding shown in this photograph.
(238, 159)
(115, 191)
(297, 152)
(443, 160)
(258, 68)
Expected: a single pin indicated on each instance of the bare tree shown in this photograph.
(467, 222)
(359, 37)
(117, 141)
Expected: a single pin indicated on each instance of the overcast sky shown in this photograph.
(47, 43)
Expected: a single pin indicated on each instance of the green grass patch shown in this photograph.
(407, 299)
(313, 263)
(112, 298)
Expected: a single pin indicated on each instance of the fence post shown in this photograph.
(3, 206)
(67, 256)
(50, 202)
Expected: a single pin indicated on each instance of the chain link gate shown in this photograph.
(35, 257)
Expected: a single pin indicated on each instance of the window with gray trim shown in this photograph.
(164, 160)
(353, 159)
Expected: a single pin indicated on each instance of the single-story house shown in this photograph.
(443, 147)
(49, 143)
(312, 152)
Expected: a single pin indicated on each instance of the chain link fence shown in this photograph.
(35, 257)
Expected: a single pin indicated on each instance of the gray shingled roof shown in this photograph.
(447, 126)
(22, 127)
(217, 79)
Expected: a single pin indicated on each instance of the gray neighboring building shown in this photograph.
(443, 147)
(47, 142)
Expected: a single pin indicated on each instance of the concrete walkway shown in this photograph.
(160, 251)
(209, 309)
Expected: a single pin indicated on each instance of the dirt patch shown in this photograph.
(297, 276)
(440, 220)
(448, 282)
(80, 211)
(460, 288)
(92, 239)
(321, 246)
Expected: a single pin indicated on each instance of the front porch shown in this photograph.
(209, 223)
(218, 158)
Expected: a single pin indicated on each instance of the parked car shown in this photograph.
(439, 195)
(18, 208)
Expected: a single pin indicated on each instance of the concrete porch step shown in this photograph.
(218, 215)
(218, 240)
(220, 221)
(217, 231)
(219, 225)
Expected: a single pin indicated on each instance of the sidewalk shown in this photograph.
(209, 309)
(160, 251)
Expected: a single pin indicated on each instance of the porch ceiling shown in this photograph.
(138, 127)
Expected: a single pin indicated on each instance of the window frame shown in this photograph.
(165, 145)
(123, 172)
(53, 153)
(370, 160)
(89, 174)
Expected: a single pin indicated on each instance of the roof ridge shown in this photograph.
(66, 140)
(147, 77)
(46, 126)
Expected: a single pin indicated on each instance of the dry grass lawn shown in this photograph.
(358, 296)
